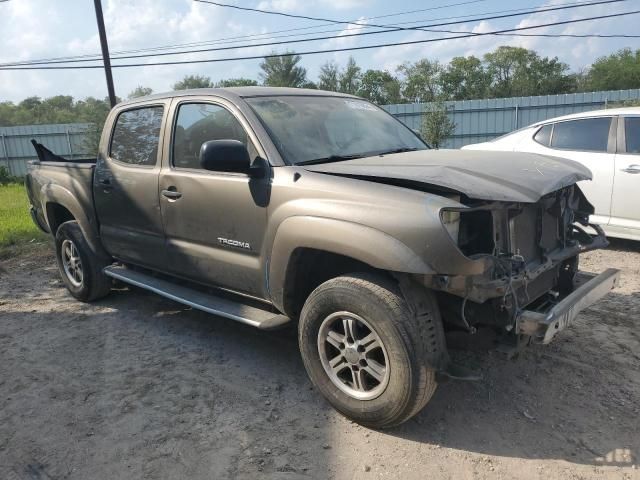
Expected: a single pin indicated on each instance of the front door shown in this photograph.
(125, 188)
(625, 203)
(213, 221)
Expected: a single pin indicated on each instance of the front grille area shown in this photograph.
(523, 233)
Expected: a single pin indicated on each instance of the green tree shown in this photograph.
(421, 80)
(380, 87)
(551, 76)
(618, 71)
(94, 112)
(193, 81)
(464, 78)
(7, 114)
(516, 71)
(59, 109)
(236, 82)
(283, 71)
(349, 79)
(31, 107)
(328, 79)
(140, 91)
(436, 125)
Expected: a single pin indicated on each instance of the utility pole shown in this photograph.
(105, 53)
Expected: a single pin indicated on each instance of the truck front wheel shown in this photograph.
(80, 268)
(366, 348)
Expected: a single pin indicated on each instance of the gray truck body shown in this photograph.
(478, 228)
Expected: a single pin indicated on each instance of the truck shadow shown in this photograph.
(624, 245)
(135, 386)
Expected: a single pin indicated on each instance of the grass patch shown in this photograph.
(16, 226)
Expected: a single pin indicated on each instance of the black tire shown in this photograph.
(412, 335)
(94, 284)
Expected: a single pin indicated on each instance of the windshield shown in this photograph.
(307, 129)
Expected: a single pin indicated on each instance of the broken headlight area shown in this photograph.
(529, 251)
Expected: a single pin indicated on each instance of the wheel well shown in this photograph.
(308, 268)
(57, 215)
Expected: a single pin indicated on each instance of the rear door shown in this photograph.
(591, 142)
(625, 208)
(126, 186)
(214, 221)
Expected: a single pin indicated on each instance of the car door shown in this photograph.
(589, 141)
(625, 201)
(126, 186)
(214, 221)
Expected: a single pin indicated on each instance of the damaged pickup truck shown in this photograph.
(268, 206)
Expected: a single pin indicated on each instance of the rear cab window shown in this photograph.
(136, 136)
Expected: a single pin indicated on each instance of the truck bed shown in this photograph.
(53, 176)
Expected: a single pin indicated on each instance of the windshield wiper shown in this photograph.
(399, 150)
(330, 159)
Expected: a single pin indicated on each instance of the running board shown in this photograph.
(224, 307)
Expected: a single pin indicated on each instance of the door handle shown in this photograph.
(171, 193)
(631, 169)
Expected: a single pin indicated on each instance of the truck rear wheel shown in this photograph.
(367, 349)
(80, 268)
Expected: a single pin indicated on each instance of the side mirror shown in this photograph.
(225, 156)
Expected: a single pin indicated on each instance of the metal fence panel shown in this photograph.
(68, 140)
(476, 121)
(481, 120)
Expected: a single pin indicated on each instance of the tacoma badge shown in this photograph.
(234, 243)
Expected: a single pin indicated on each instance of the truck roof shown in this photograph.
(235, 92)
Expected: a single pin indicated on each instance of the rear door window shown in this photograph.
(632, 134)
(136, 136)
(589, 134)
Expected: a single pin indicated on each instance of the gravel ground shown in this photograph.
(135, 386)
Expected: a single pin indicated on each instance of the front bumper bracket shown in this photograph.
(542, 326)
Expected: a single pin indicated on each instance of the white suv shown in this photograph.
(605, 141)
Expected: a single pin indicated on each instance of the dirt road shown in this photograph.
(135, 386)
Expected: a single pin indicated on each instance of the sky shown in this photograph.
(34, 29)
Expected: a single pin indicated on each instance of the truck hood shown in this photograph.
(483, 175)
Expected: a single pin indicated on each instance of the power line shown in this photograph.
(339, 22)
(96, 57)
(226, 40)
(289, 15)
(243, 37)
(313, 27)
(333, 50)
(548, 35)
(423, 28)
